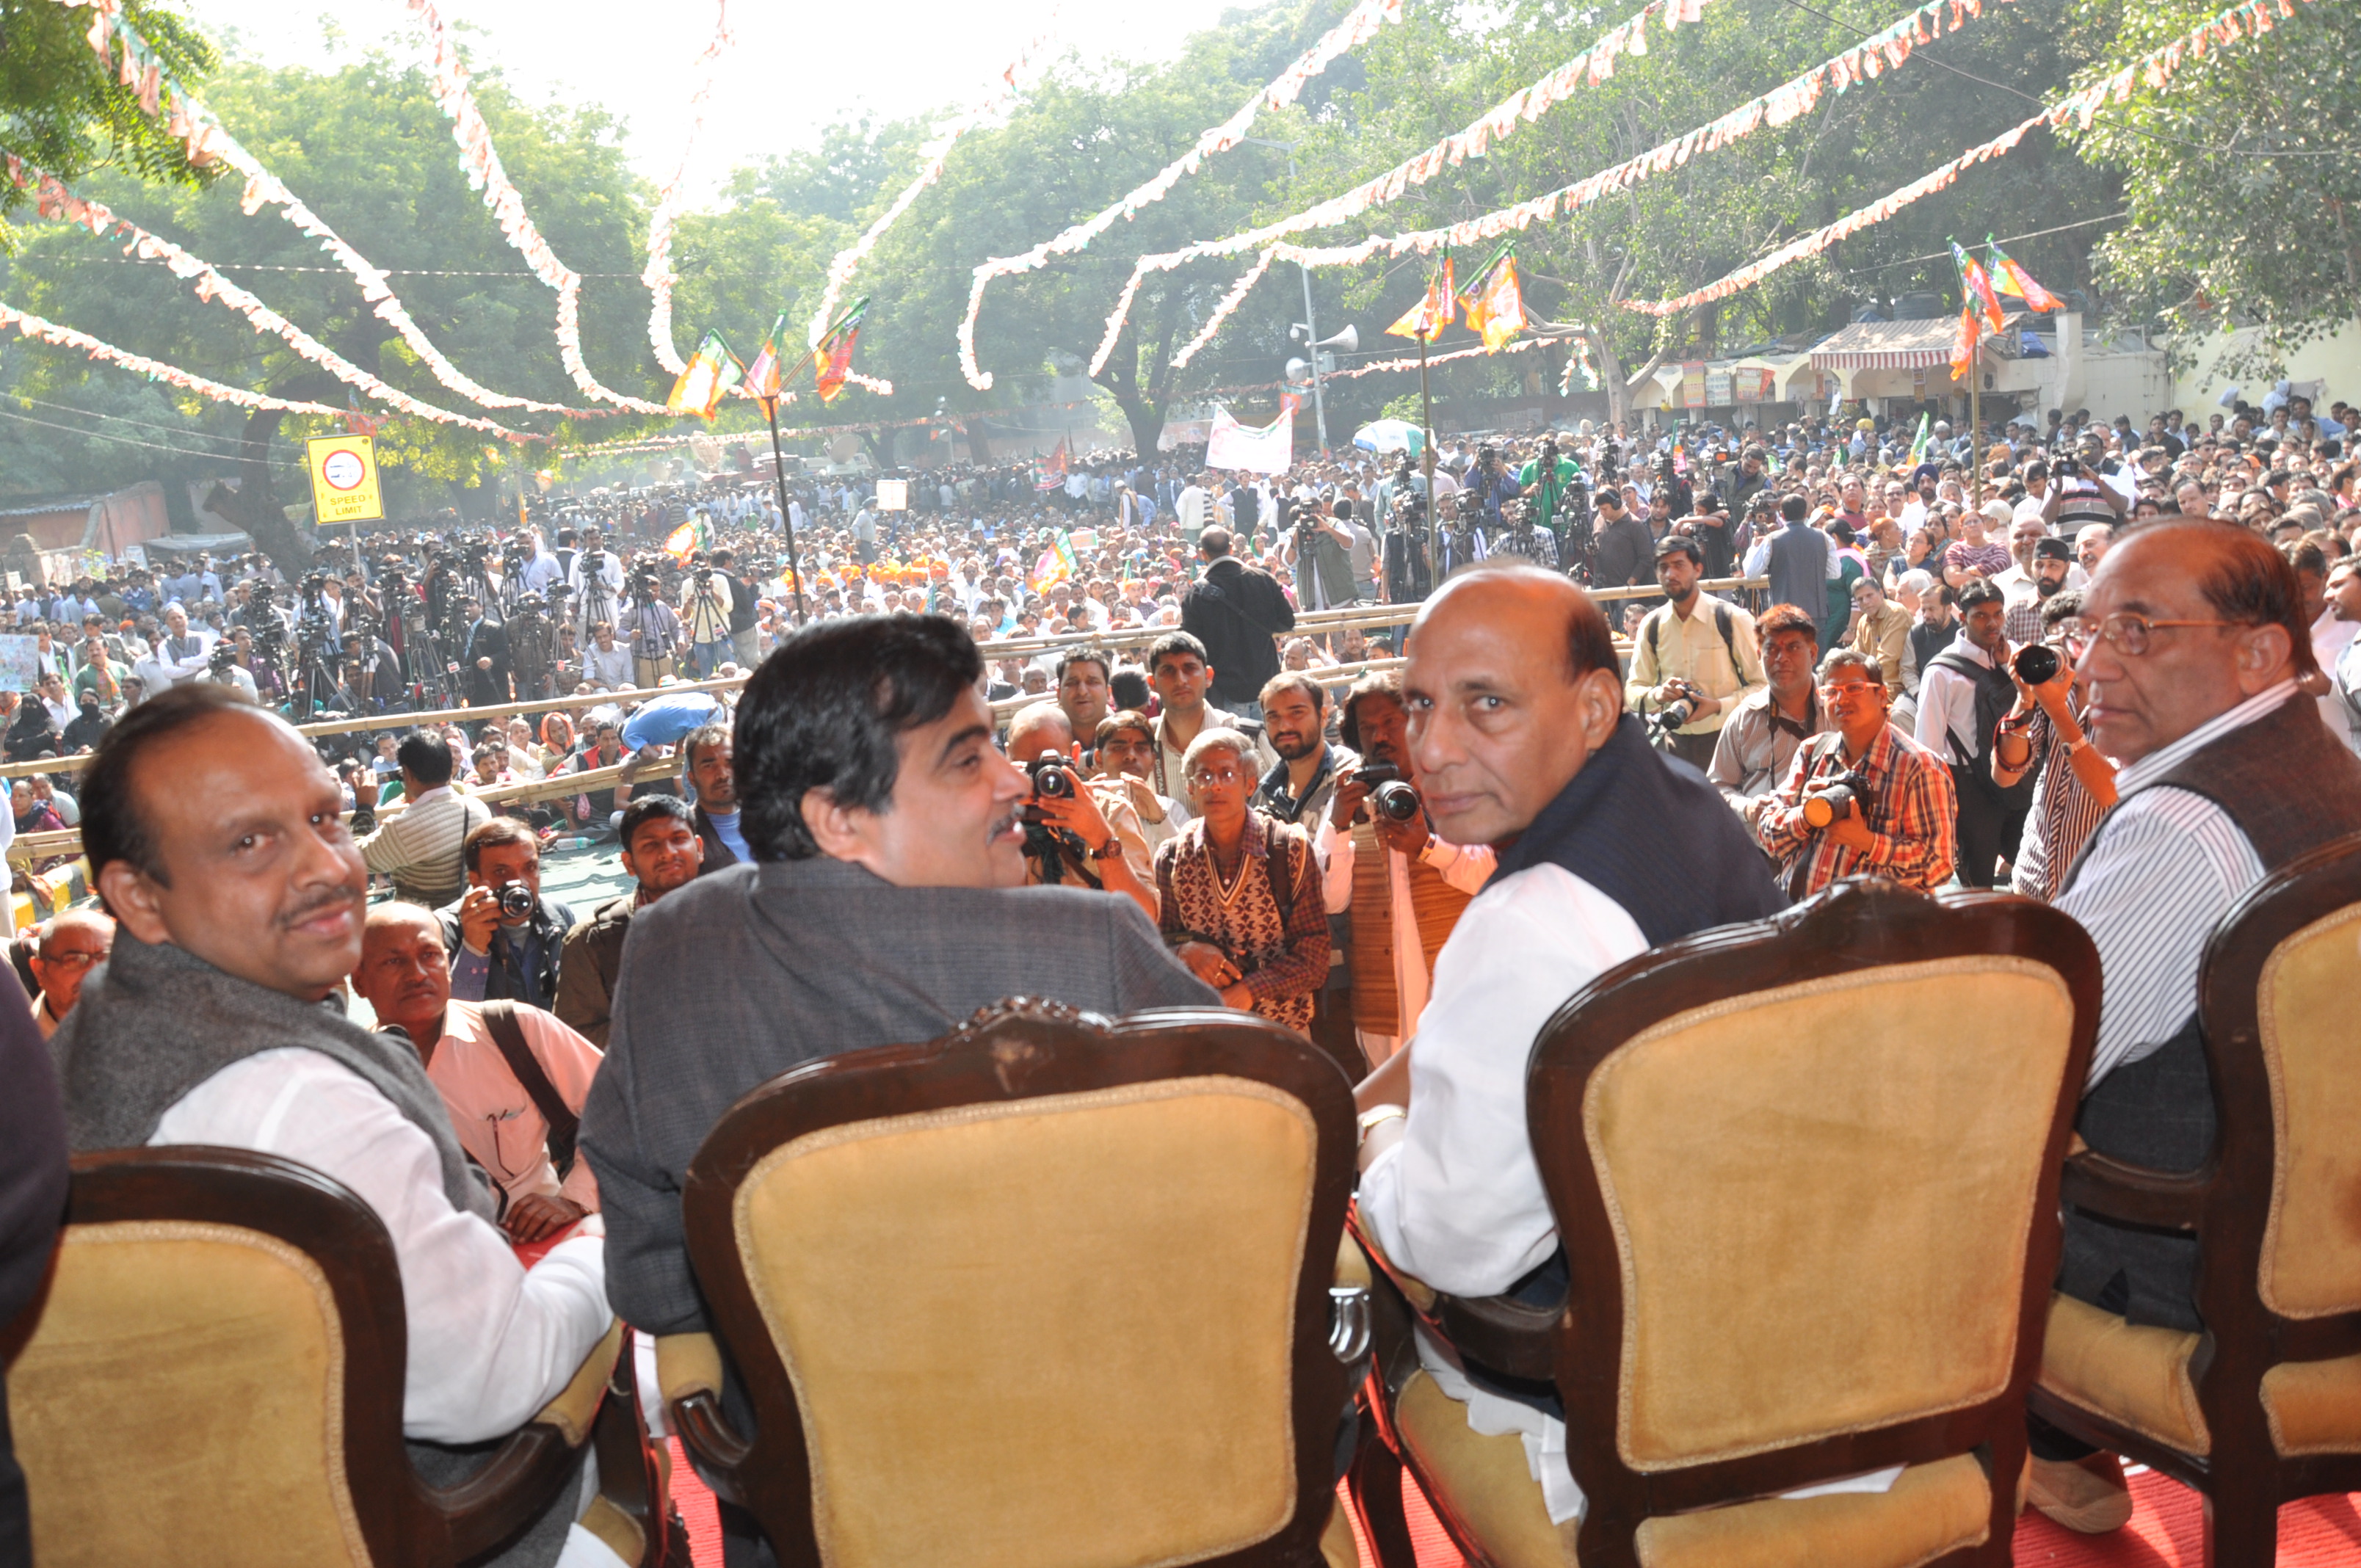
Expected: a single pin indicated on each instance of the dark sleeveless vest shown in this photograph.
(2289, 787)
(1648, 832)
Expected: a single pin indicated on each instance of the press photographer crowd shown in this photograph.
(865, 772)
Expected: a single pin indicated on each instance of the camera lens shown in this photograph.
(516, 901)
(2037, 662)
(1396, 801)
(1673, 715)
(1053, 779)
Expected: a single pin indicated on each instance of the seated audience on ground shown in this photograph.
(512, 1076)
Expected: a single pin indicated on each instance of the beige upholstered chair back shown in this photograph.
(184, 1382)
(1043, 1332)
(2311, 1038)
(1820, 1195)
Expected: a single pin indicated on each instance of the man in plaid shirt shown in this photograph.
(1901, 821)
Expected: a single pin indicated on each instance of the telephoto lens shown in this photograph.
(2037, 664)
(1676, 714)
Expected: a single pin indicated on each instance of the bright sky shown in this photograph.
(795, 67)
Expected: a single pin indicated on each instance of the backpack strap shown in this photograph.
(500, 1019)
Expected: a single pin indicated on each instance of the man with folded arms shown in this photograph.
(2191, 640)
(215, 839)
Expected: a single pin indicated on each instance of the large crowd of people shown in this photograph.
(2107, 667)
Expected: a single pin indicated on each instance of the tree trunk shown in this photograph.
(979, 439)
(1143, 407)
(255, 506)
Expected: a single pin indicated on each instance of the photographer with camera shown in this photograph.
(1624, 543)
(504, 939)
(1864, 799)
(1082, 831)
(652, 628)
(2047, 723)
(222, 668)
(1962, 693)
(1688, 670)
(1400, 887)
(706, 606)
(1758, 742)
(745, 611)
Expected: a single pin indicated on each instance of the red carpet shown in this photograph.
(2322, 1533)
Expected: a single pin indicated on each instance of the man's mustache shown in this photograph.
(342, 896)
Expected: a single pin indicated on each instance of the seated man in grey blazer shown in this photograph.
(884, 905)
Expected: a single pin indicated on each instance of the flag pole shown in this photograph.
(1426, 439)
(1976, 421)
(787, 518)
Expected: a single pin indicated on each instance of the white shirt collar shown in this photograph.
(2148, 769)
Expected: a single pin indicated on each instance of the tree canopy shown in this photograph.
(2239, 209)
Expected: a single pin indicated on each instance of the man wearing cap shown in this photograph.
(1707, 662)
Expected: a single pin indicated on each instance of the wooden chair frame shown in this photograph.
(2224, 1203)
(1017, 1050)
(1576, 1344)
(404, 1522)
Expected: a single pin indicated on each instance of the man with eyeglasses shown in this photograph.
(71, 944)
(2191, 641)
(1860, 798)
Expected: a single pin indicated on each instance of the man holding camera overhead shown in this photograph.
(1862, 799)
(1689, 669)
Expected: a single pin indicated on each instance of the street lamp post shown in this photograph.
(1311, 325)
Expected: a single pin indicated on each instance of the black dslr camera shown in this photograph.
(1834, 801)
(1680, 710)
(1053, 778)
(1391, 796)
(517, 901)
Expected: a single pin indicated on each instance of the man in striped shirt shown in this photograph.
(2191, 641)
(423, 849)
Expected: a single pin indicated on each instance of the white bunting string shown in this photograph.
(1359, 25)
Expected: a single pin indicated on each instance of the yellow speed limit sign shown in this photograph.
(343, 479)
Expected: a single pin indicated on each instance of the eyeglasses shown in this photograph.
(2125, 632)
(1222, 776)
(1835, 691)
(73, 960)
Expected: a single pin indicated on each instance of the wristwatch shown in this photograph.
(1110, 850)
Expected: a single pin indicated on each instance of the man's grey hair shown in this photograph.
(1219, 739)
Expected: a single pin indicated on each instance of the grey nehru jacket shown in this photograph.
(742, 975)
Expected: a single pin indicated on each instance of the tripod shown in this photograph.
(705, 614)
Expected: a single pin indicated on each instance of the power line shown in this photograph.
(119, 440)
(2010, 239)
(389, 271)
(125, 419)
